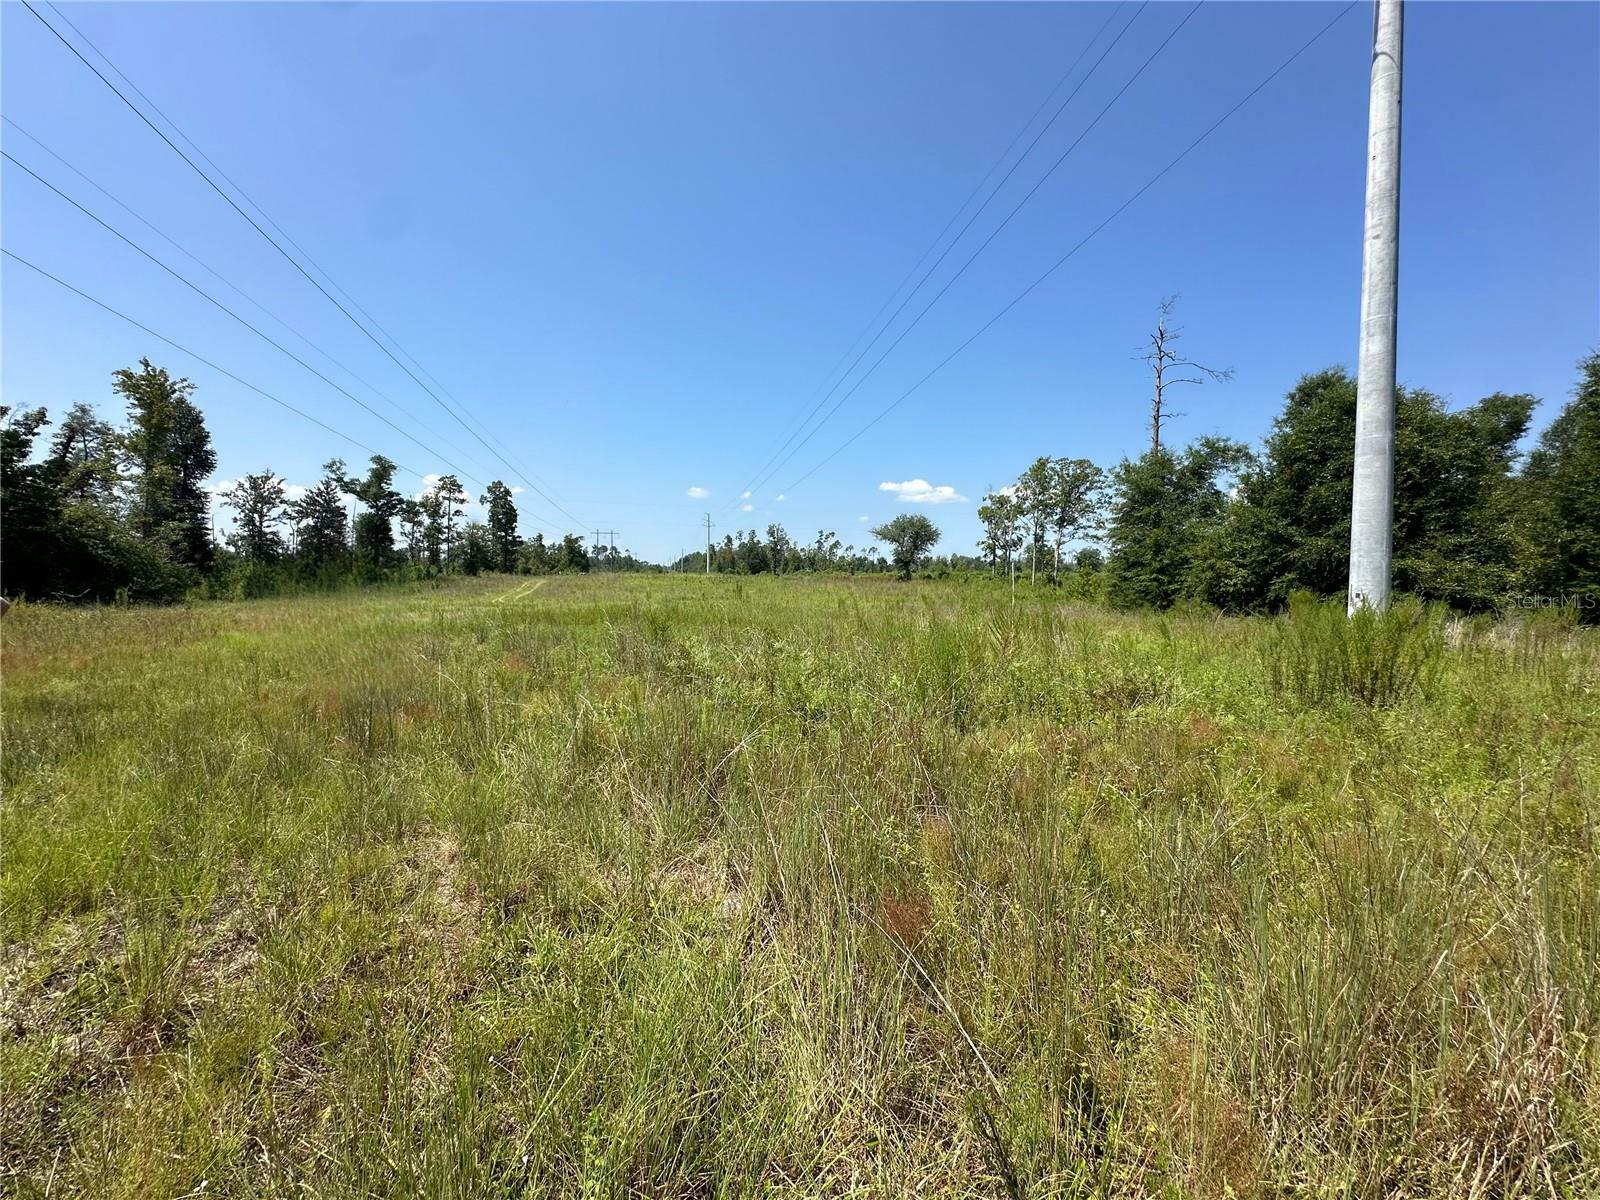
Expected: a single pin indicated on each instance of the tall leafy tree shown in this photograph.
(320, 525)
(1033, 499)
(1001, 514)
(169, 451)
(1560, 487)
(1452, 499)
(443, 505)
(374, 528)
(570, 554)
(910, 536)
(258, 503)
(502, 525)
(1071, 497)
(1166, 508)
(477, 549)
(779, 548)
(83, 458)
(533, 556)
(29, 507)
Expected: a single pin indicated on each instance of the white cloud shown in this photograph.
(744, 495)
(781, 497)
(429, 482)
(746, 507)
(291, 491)
(517, 491)
(1010, 489)
(920, 491)
(863, 520)
(699, 493)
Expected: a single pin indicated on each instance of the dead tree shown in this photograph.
(1170, 368)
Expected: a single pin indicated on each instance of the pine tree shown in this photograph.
(321, 530)
(258, 501)
(374, 529)
(169, 449)
(502, 523)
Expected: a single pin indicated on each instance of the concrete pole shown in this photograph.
(708, 545)
(1372, 502)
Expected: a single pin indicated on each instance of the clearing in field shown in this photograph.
(670, 887)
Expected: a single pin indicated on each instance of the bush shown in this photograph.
(1318, 655)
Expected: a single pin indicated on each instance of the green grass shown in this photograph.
(682, 887)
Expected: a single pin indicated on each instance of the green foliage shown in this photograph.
(911, 535)
(1453, 501)
(1317, 655)
(803, 887)
(479, 551)
(502, 526)
(169, 448)
(1001, 514)
(320, 528)
(1560, 499)
(1167, 510)
(374, 528)
(258, 503)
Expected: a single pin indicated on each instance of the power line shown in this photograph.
(199, 291)
(229, 284)
(200, 358)
(257, 227)
(960, 271)
(515, 463)
(1051, 270)
(938, 237)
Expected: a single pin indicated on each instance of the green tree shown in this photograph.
(1071, 496)
(1560, 494)
(29, 506)
(1166, 507)
(502, 526)
(60, 533)
(83, 458)
(910, 535)
(374, 528)
(570, 555)
(533, 556)
(1453, 501)
(1001, 514)
(779, 548)
(258, 500)
(318, 517)
(169, 450)
(443, 505)
(476, 549)
(1033, 502)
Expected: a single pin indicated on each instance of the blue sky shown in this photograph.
(632, 240)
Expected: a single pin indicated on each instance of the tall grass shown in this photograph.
(1318, 655)
(667, 887)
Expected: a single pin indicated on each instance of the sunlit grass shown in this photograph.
(671, 886)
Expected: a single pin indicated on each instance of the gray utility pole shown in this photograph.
(708, 543)
(1372, 502)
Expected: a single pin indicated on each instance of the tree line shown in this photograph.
(96, 512)
(1477, 526)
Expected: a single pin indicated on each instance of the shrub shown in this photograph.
(1318, 655)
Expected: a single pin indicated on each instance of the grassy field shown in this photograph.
(681, 887)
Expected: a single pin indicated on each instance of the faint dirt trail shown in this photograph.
(520, 592)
